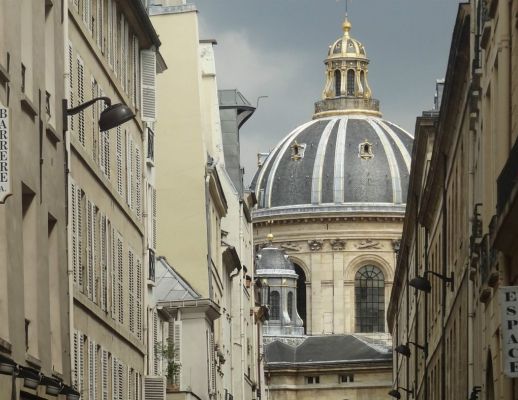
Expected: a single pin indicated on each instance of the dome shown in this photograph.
(273, 259)
(346, 46)
(348, 159)
(342, 163)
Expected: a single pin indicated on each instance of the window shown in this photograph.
(290, 305)
(370, 299)
(275, 305)
(362, 81)
(346, 378)
(312, 380)
(350, 82)
(338, 82)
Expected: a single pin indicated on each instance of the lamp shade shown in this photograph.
(7, 366)
(403, 349)
(421, 283)
(114, 116)
(395, 393)
(70, 393)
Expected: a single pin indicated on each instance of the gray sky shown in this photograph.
(277, 47)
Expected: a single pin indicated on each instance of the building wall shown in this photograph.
(108, 196)
(33, 267)
(330, 267)
(451, 226)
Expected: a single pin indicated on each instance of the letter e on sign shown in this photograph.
(5, 172)
(509, 328)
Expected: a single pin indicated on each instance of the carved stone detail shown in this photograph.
(291, 246)
(337, 244)
(368, 244)
(396, 244)
(315, 245)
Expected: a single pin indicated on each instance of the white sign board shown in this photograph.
(5, 172)
(509, 329)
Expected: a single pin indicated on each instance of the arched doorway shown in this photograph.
(301, 294)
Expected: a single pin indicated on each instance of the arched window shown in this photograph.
(338, 83)
(350, 82)
(369, 288)
(301, 294)
(290, 305)
(362, 81)
(274, 305)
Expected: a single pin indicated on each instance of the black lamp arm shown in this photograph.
(81, 107)
(411, 391)
(444, 278)
(422, 347)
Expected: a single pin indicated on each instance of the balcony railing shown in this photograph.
(150, 145)
(507, 180)
(346, 103)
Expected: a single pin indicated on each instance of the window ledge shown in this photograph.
(4, 75)
(28, 106)
(33, 361)
(5, 346)
(52, 134)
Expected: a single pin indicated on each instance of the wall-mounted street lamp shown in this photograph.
(422, 283)
(404, 349)
(395, 392)
(111, 117)
(54, 386)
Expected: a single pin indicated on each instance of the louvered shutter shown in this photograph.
(70, 69)
(120, 377)
(120, 274)
(177, 342)
(75, 361)
(104, 140)
(155, 345)
(73, 223)
(139, 289)
(95, 117)
(104, 374)
(115, 49)
(123, 51)
(81, 99)
(154, 388)
(109, 36)
(153, 217)
(79, 199)
(138, 183)
(131, 291)
(136, 75)
(87, 14)
(115, 379)
(129, 168)
(119, 160)
(212, 362)
(104, 262)
(91, 370)
(81, 368)
(89, 249)
(148, 85)
(100, 24)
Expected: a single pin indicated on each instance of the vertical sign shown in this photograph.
(5, 173)
(509, 329)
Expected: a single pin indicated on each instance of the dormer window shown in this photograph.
(365, 150)
(351, 77)
(297, 151)
(338, 82)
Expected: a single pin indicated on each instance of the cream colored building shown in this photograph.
(110, 50)
(204, 216)
(332, 193)
(34, 329)
(461, 222)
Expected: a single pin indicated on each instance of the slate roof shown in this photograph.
(331, 173)
(331, 349)
(273, 258)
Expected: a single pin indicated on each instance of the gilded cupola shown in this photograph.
(347, 88)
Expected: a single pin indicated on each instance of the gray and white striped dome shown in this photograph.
(346, 163)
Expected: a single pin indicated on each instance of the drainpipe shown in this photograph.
(67, 167)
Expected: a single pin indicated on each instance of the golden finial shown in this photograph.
(346, 26)
(269, 237)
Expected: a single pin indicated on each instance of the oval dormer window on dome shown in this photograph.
(297, 151)
(365, 150)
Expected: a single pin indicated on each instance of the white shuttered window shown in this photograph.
(148, 85)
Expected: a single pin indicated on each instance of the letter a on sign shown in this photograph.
(5, 166)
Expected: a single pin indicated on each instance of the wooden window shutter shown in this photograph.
(81, 99)
(87, 14)
(131, 291)
(155, 344)
(129, 169)
(109, 36)
(71, 97)
(81, 369)
(177, 342)
(91, 370)
(153, 217)
(138, 183)
(113, 274)
(104, 374)
(90, 275)
(79, 200)
(115, 379)
(119, 160)
(148, 85)
(75, 361)
(120, 378)
(135, 69)
(139, 289)
(73, 223)
(154, 388)
(104, 262)
(120, 287)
